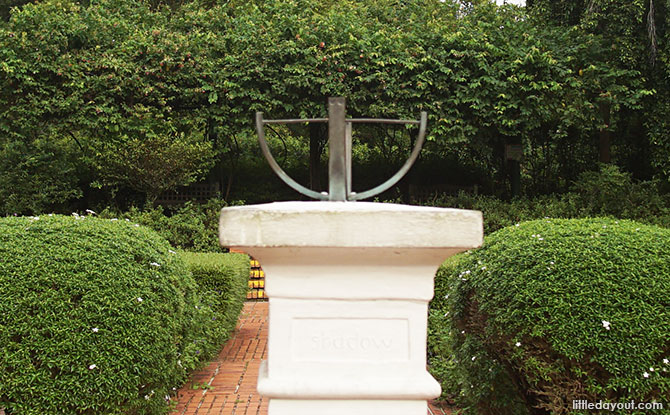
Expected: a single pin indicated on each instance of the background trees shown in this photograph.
(109, 83)
(636, 35)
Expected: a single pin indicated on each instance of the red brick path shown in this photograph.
(227, 386)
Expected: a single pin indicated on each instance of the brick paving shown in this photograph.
(227, 386)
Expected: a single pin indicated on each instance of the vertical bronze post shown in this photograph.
(337, 164)
(348, 160)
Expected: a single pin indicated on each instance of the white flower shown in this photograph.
(155, 264)
(463, 332)
(127, 220)
(179, 363)
(666, 361)
(91, 367)
(137, 225)
(89, 211)
(139, 299)
(446, 296)
(606, 324)
(484, 267)
(540, 239)
(645, 374)
(516, 224)
(651, 369)
(94, 329)
(75, 214)
(171, 251)
(446, 314)
(473, 358)
(517, 344)
(167, 397)
(146, 397)
(551, 262)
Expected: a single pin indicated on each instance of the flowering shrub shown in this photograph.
(552, 311)
(96, 317)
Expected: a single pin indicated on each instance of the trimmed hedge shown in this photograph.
(96, 317)
(222, 279)
(552, 311)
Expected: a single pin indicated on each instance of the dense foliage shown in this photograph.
(552, 311)
(608, 192)
(134, 96)
(637, 34)
(101, 316)
(190, 227)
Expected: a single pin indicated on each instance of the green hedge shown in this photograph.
(96, 317)
(555, 310)
(223, 281)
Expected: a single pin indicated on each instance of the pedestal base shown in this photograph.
(420, 386)
(347, 407)
(338, 349)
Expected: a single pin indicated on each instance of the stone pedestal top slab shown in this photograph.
(349, 225)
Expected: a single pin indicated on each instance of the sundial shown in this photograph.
(337, 342)
(339, 145)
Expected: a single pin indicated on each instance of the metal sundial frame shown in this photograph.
(339, 145)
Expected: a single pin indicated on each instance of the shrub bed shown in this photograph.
(552, 311)
(96, 317)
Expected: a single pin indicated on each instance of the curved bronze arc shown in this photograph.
(403, 170)
(278, 170)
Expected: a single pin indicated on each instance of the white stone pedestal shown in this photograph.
(348, 285)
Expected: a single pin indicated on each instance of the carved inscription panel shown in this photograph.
(350, 339)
